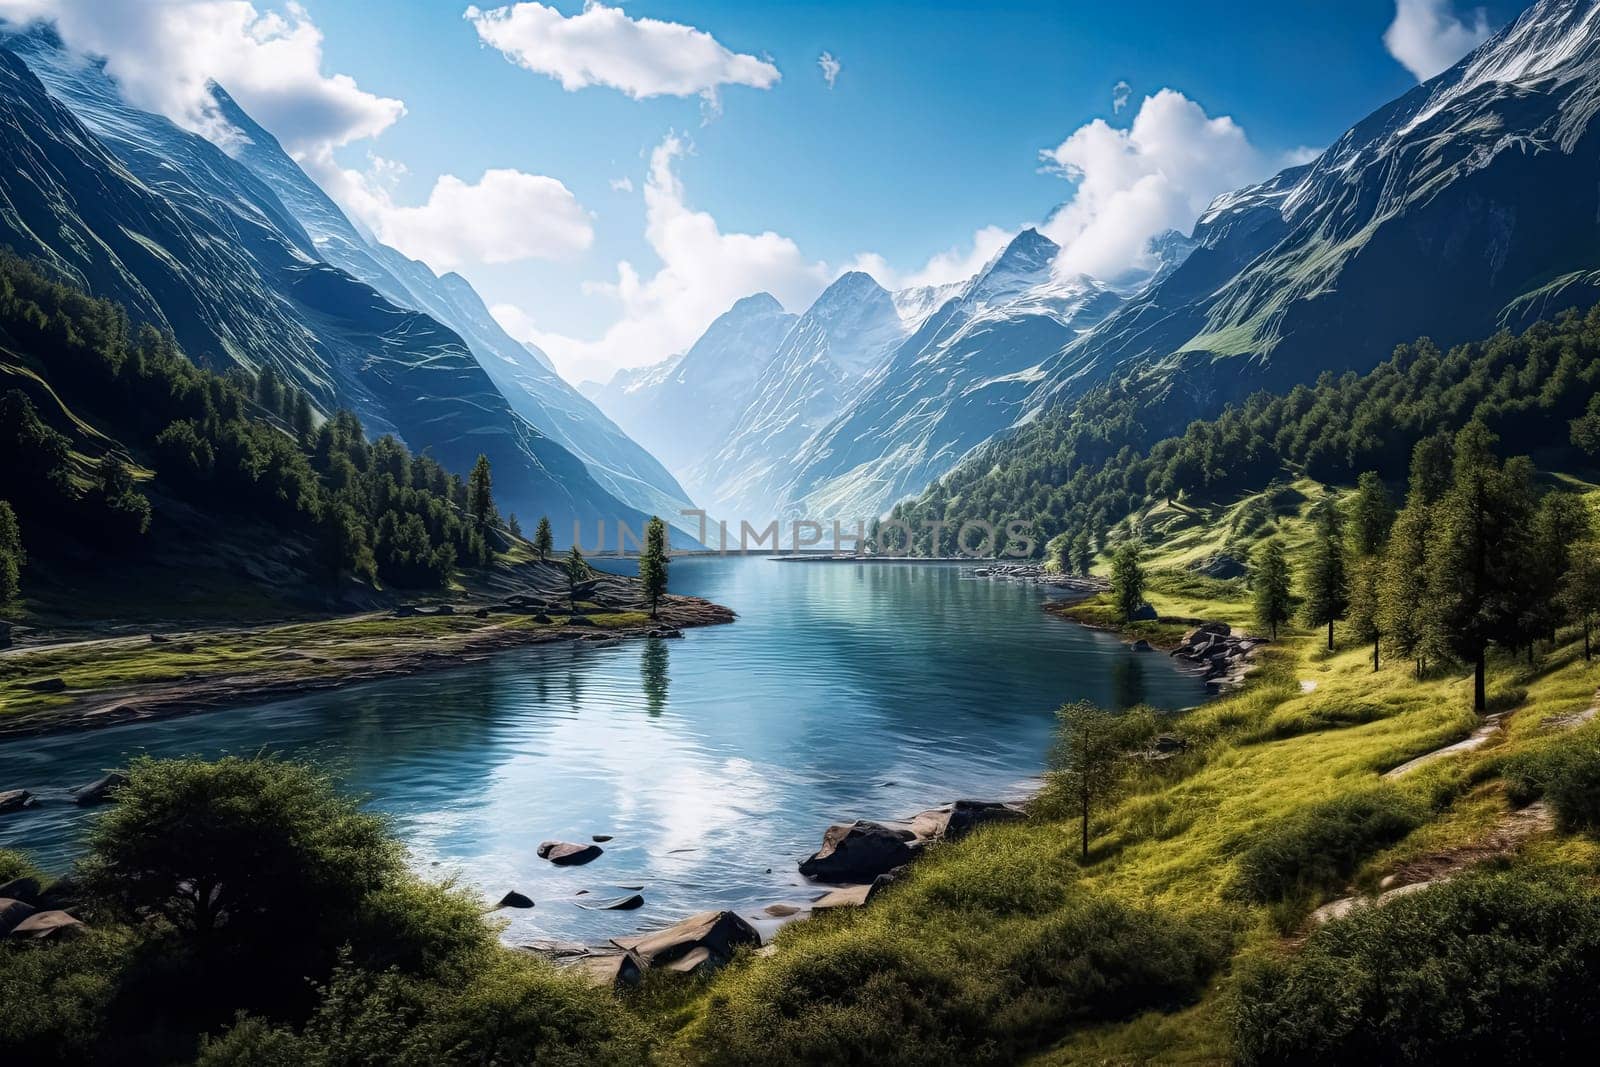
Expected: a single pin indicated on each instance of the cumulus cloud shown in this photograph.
(165, 54)
(1121, 93)
(622, 185)
(1133, 184)
(703, 271)
(602, 46)
(954, 264)
(1427, 36)
(830, 68)
(506, 217)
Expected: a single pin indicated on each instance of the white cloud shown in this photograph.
(508, 216)
(1133, 184)
(602, 46)
(830, 68)
(952, 265)
(1427, 36)
(1121, 93)
(622, 185)
(1300, 155)
(165, 53)
(703, 271)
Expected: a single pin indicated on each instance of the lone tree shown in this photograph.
(513, 526)
(480, 496)
(1475, 571)
(1327, 584)
(1127, 579)
(1580, 589)
(1092, 746)
(653, 562)
(543, 543)
(577, 573)
(1269, 581)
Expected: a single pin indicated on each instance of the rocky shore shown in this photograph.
(1035, 574)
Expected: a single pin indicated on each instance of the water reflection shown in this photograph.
(653, 675)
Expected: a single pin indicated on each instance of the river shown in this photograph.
(715, 761)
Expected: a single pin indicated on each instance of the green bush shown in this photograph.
(968, 992)
(1566, 772)
(1485, 969)
(55, 999)
(1319, 847)
(15, 864)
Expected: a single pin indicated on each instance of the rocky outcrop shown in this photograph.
(859, 852)
(627, 903)
(13, 912)
(697, 943)
(1222, 656)
(47, 926)
(1221, 566)
(514, 899)
(568, 853)
(15, 800)
(24, 889)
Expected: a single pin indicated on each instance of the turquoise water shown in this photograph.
(715, 761)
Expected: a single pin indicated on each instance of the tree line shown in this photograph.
(1077, 470)
(234, 445)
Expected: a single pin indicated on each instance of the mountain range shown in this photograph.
(1468, 204)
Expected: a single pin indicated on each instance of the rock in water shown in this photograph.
(514, 899)
(858, 852)
(15, 800)
(627, 903)
(100, 790)
(699, 942)
(568, 853)
(611, 970)
(602, 838)
(24, 889)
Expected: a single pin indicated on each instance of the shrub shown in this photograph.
(1318, 847)
(1485, 969)
(54, 999)
(1566, 772)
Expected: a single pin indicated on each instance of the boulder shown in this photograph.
(1142, 645)
(45, 685)
(856, 853)
(481, 613)
(851, 896)
(24, 889)
(781, 911)
(610, 970)
(514, 899)
(580, 620)
(1205, 629)
(600, 838)
(884, 881)
(404, 611)
(47, 926)
(101, 789)
(541, 617)
(15, 800)
(568, 853)
(1221, 565)
(700, 941)
(1144, 613)
(12, 912)
(1168, 743)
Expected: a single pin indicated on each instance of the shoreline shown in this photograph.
(293, 659)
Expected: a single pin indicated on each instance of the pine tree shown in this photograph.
(480, 496)
(543, 543)
(1327, 582)
(12, 556)
(1090, 757)
(304, 420)
(1371, 515)
(653, 563)
(1366, 580)
(577, 573)
(1403, 611)
(1580, 589)
(1082, 552)
(513, 526)
(1127, 579)
(1269, 582)
(1561, 521)
(1476, 572)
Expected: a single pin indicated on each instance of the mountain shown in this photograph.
(826, 356)
(683, 407)
(1468, 204)
(128, 206)
(959, 379)
(522, 373)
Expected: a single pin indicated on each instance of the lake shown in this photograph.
(715, 762)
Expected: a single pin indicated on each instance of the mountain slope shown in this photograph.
(523, 375)
(682, 408)
(824, 358)
(189, 240)
(1471, 202)
(961, 378)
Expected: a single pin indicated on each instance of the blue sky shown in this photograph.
(931, 132)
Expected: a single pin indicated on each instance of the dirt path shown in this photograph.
(1492, 726)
